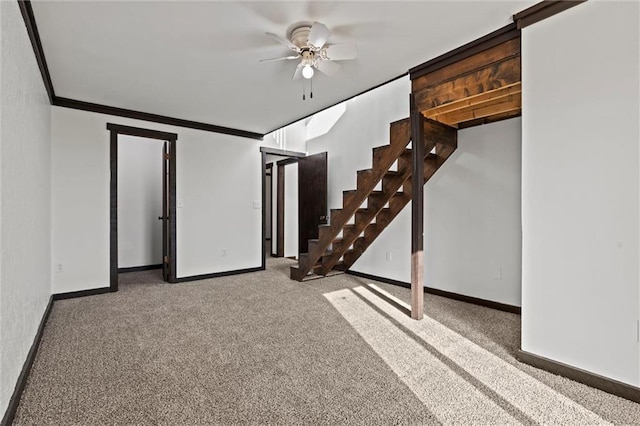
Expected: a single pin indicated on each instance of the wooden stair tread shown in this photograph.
(400, 122)
(382, 205)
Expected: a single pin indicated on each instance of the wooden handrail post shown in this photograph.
(417, 212)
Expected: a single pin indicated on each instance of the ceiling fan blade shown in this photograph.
(280, 59)
(297, 75)
(340, 52)
(318, 35)
(327, 67)
(283, 40)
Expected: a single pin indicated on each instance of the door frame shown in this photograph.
(289, 157)
(115, 130)
(269, 196)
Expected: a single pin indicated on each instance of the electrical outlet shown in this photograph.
(59, 267)
(224, 252)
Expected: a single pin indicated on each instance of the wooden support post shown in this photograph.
(417, 212)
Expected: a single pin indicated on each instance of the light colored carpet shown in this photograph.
(261, 349)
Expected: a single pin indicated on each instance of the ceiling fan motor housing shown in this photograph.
(300, 36)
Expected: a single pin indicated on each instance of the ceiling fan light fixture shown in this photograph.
(307, 71)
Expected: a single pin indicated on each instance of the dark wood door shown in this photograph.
(166, 202)
(312, 198)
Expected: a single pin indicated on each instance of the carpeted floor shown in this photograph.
(261, 349)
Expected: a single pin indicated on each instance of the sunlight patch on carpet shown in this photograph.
(392, 335)
(447, 396)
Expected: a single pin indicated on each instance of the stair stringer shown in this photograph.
(383, 158)
(445, 139)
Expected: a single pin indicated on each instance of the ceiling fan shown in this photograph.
(309, 42)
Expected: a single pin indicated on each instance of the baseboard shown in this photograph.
(594, 380)
(448, 294)
(14, 401)
(474, 300)
(139, 268)
(218, 274)
(81, 293)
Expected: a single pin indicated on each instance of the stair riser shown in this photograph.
(438, 135)
(444, 139)
(376, 203)
(364, 218)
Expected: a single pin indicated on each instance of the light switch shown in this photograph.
(257, 205)
(180, 204)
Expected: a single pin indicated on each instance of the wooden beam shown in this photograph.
(483, 43)
(490, 78)
(491, 95)
(417, 212)
(492, 119)
(473, 63)
(154, 118)
(113, 211)
(542, 10)
(487, 109)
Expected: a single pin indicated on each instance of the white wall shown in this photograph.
(218, 180)
(580, 189)
(291, 210)
(25, 198)
(364, 125)
(472, 205)
(289, 138)
(139, 201)
(473, 240)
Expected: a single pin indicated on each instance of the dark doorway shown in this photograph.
(169, 199)
(166, 209)
(312, 198)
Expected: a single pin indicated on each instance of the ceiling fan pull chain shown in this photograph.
(311, 91)
(303, 93)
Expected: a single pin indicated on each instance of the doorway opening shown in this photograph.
(296, 185)
(167, 159)
(140, 198)
(274, 162)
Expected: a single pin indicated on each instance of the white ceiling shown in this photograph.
(200, 60)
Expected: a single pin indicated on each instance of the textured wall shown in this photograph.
(473, 240)
(580, 189)
(25, 197)
(218, 179)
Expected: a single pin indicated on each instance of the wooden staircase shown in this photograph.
(342, 241)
